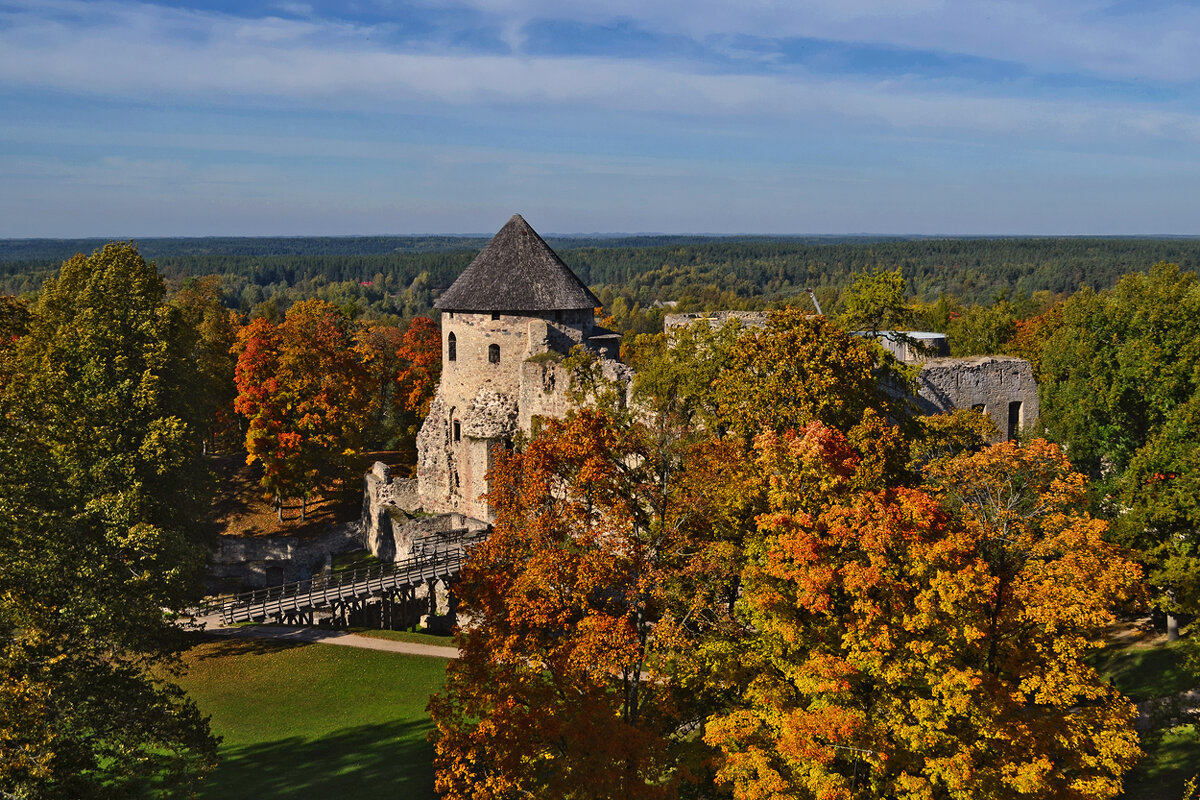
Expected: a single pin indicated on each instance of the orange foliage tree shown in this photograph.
(420, 353)
(926, 643)
(578, 672)
(304, 391)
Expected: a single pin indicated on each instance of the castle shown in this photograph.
(507, 322)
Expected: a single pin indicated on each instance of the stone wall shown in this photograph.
(241, 563)
(480, 404)
(393, 518)
(1001, 386)
(747, 319)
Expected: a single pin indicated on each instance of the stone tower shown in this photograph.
(516, 301)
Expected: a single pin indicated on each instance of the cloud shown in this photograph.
(186, 56)
(1149, 42)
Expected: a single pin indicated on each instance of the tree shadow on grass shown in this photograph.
(218, 646)
(391, 760)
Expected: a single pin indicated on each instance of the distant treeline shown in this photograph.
(390, 275)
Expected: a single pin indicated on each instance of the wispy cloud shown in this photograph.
(783, 107)
(139, 51)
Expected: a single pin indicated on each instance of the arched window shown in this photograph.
(451, 348)
(494, 353)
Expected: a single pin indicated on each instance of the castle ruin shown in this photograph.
(508, 321)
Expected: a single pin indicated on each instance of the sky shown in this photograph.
(956, 117)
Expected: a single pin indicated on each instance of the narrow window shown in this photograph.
(980, 407)
(495, 315)
(1014, 418)
(451, 348)
(494, 353)
(457, 431)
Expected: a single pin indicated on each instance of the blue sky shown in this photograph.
(683, 116)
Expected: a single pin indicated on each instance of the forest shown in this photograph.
(764, 576)
(400, 276)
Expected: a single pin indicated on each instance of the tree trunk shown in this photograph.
(1172, 628)
(279, 506)
(303, 506)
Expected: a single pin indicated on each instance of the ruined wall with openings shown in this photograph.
(1000, 386)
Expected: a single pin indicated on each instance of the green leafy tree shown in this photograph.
(98, 501)
(1121, 361)
(982, 330)
(1161, 494)
(876, 302)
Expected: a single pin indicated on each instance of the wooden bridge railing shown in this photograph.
(435, 558)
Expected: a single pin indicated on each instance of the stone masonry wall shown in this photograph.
(1001, 386)
(480, 403)
(251, 562)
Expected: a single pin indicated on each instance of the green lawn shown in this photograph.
(1172, 756)
(419, 637)
(1169, 761)
(315, 721)
(1143, 673)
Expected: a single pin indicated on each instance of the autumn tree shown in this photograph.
(99, 495)
(212, 332)
(1120, 381)
(304, 392)
(576, 677)
(799, 369)
(982, 330)
(1031, 335)
(420, 354)
(377, 344)
(925, 643)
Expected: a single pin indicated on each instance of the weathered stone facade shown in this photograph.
(251, 562)
(507, 323)
(504, 372)
(1000, 386)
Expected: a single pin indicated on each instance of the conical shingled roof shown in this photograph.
(517, 271)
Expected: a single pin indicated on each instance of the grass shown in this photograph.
(405, 636)
(303, 721)
(1144, 673)
(1170, 760)
(1145, 670)
(354, 560)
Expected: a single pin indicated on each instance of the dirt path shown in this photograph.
(293, 633)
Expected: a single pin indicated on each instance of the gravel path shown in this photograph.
(292, 633)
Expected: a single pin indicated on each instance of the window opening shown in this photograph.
(495, 315)
(457, 431)
(1014, 418)
(451, 348)
(494, 353)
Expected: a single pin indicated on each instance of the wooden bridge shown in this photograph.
(343, 595)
